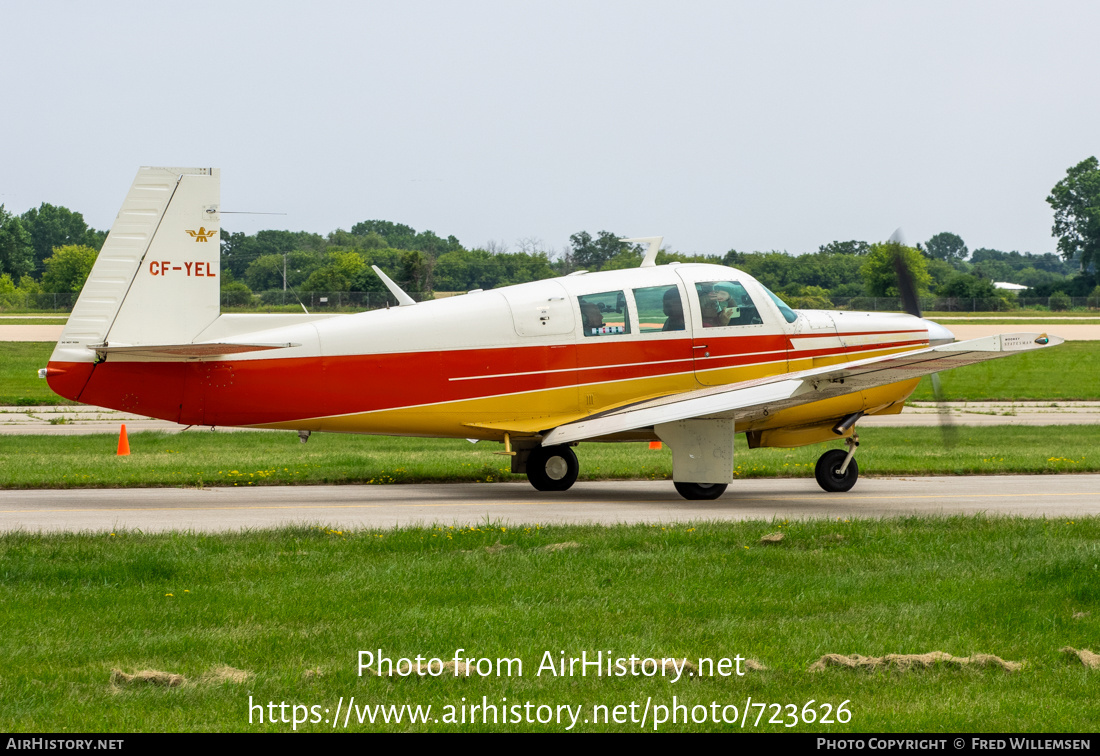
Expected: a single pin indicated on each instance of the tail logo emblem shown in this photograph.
(202, 234)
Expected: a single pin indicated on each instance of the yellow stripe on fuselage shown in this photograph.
(532, 412)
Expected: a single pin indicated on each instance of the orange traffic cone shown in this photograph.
(123, 443)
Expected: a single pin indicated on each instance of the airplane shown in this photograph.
(686, 354)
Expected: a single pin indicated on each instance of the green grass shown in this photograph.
(201, 458)
(29, 320)
(1051, 323)
(279, 603)
(1022, 315)
(19, 381)
(1068, 371)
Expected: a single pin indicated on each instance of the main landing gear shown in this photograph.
(836, 469)
(552, 468)
(700, 491)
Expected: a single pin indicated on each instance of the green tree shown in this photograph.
(234, 293)
(9, 295)
(940, 271)
(416, 271)
(595, 254)
(55, 226)
(400, 236)
(465, 270)
(879, 270)
(337, 273)
(241, 250)
(853, 247)
(266, 271)
(521, 267)
(1060, 301)
(807, 297)
(28, 285)
(967, 286)
(631, 257)
(16, 247)
(68, 267)
(947, 246)
(1076, 204)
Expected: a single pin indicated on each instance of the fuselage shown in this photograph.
(519, 360)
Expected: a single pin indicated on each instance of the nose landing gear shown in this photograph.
(836, 469)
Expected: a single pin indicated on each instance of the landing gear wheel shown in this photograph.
(552, 468)
(828, 474)
(697, 491)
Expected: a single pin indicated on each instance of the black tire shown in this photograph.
(828, 474)
(552, 468)
(700, 491)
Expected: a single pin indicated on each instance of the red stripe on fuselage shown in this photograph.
(271, 390)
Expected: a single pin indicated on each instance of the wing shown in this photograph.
(751, 400)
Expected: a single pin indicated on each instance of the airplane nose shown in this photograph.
(937, 334)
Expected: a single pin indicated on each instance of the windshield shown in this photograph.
(788, 314)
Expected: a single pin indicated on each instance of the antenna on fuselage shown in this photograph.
(650, 259)
(402, 298)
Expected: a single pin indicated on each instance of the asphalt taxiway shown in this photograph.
(67, 420)
(609, 502)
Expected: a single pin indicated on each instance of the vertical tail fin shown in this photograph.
(157, 278)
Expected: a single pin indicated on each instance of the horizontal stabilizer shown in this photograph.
(214, 349)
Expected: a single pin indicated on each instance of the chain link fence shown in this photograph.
(20, 301)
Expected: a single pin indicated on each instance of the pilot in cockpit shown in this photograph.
(716, 302)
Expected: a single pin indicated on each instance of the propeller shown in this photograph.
(907, 290)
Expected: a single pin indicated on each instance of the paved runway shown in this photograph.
(345, 507)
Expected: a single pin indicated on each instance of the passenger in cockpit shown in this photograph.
(591, 318)
(674, 310)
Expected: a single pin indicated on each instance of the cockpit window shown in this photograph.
(788, 314)
(660, 308)
(726, 303)
(604, 314)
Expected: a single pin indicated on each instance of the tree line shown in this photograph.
(52, 249)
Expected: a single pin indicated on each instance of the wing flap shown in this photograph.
(748, 399)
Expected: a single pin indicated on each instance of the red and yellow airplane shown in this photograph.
(684, 353)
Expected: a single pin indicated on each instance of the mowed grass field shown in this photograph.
(1067, 372)
(201, 458)
(20, 362)
(289, 610)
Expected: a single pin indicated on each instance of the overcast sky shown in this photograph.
(746, 125)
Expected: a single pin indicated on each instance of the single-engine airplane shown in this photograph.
(689, 354)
